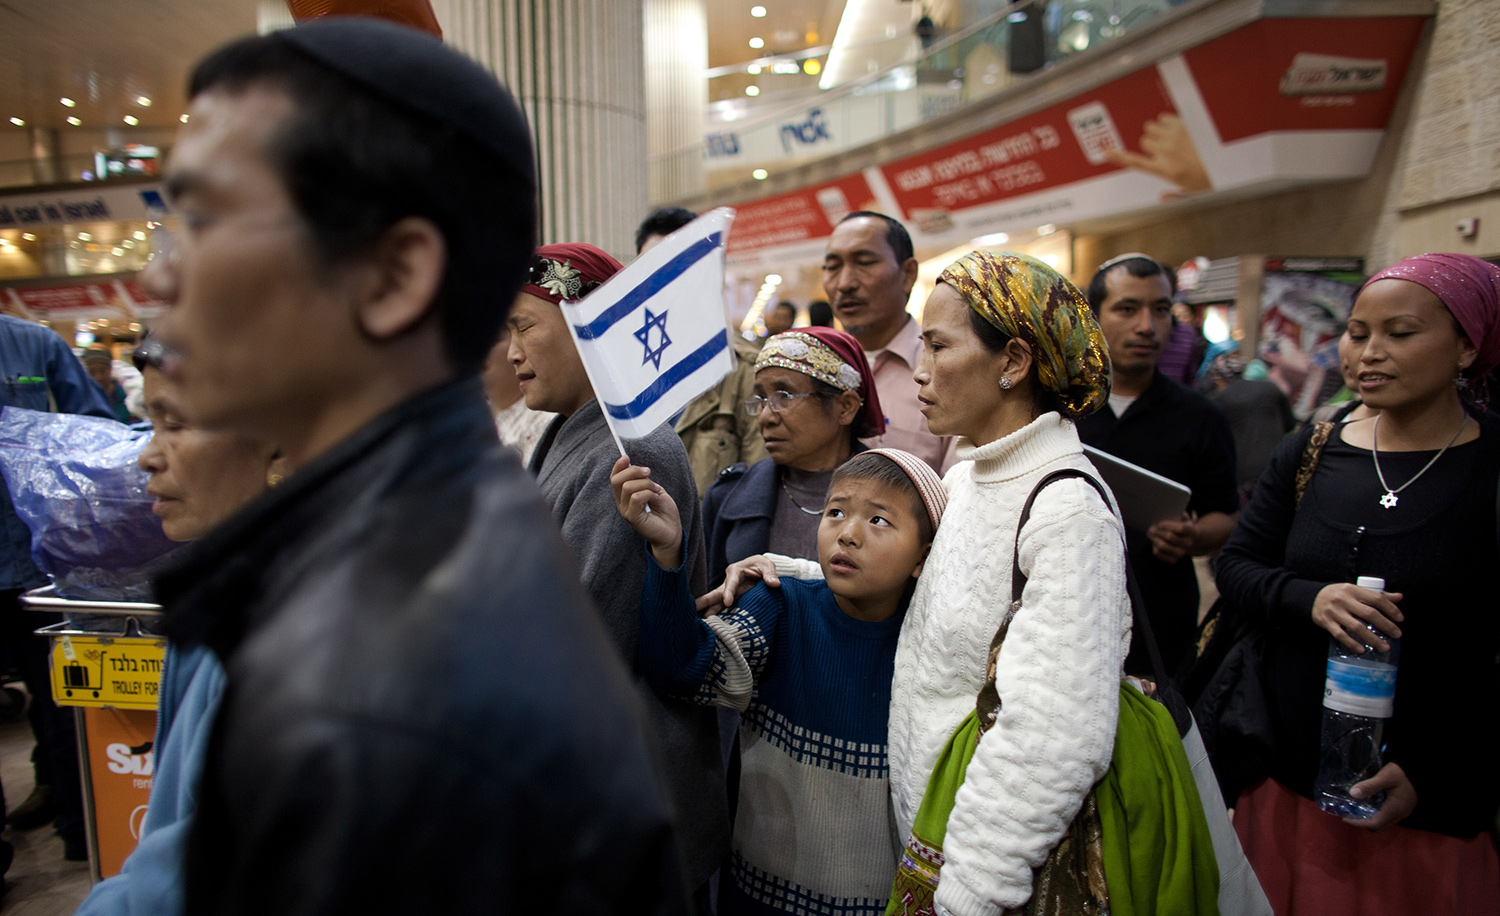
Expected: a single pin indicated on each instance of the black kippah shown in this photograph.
(416, 71)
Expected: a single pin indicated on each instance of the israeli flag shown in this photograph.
(655, 336)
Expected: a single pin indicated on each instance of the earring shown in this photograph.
(1460, 382)
(273, 479)
(1005, 383)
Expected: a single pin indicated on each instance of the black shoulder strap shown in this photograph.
(1142, 625)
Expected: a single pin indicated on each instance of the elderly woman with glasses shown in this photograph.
(814, 400)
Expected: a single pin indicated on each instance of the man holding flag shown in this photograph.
(647, 342)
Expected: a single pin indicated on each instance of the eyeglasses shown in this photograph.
(778, 401)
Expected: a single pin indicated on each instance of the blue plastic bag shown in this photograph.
(75, 483)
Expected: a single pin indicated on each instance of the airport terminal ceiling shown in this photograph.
(106, 57)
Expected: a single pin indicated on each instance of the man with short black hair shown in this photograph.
(422, 711)
(869, 269)
(660, 223)
(1158, 424)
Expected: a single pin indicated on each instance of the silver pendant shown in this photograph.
(1389, 500)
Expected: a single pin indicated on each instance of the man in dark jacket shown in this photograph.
(422, 711)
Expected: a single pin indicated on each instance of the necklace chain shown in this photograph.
(789, 496)
(1389, 500)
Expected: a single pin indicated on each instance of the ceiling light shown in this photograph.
(28, 236)
(183, 117)
(752, 91)
(785, 67)
(1046, 230)
(758, 11)
(811, 66)
(18, 122)
(74, 121)
(760, 174)
(117, 251)
(132, 120)
(994, 238)
(143, 100)
(753, 69)
(773, 279)
(85, 237)
(757, 42)
(67, 102)
(128, 243)
(139, 235)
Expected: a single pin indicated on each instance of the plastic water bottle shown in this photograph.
(1358, 697)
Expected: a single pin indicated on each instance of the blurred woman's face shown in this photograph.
(1404, 347)
(808, 433)
(198, 478)
(959, 377)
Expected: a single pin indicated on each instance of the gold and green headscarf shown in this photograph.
(1025, 298)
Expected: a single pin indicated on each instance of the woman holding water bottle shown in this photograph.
(1384, 533)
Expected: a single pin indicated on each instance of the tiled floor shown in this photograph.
(40, 881)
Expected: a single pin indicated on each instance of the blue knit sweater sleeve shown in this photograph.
(714, 661)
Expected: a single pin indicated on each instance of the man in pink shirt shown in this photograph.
(868, 272)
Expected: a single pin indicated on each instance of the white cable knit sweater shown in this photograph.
(1058, 674)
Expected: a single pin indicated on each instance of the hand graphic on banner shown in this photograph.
(1167, 150)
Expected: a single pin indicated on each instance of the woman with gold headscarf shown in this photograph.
(1011, 357)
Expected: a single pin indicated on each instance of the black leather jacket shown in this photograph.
(423, 713)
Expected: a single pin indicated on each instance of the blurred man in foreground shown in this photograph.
(421, 713)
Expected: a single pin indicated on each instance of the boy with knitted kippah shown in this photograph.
(810, 666)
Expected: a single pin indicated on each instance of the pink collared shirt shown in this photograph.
(905, 427)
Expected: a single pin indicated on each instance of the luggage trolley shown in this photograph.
(106, 662)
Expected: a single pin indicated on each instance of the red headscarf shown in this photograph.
(568, 271)
(1470, 288)
(871, 419)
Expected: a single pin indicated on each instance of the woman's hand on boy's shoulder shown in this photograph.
(650, 510)
(739, 578)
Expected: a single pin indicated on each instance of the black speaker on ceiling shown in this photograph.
(1027, 50)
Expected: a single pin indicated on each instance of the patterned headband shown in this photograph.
(804, 353)
(560, 278)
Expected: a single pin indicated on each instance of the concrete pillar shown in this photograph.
(676, 97)
(46, 159)
(576, 67)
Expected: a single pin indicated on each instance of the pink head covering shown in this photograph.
(1470, 288)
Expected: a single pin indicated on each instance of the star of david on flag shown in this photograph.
(653, 356)
(655, 335)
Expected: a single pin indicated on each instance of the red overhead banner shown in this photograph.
(1276, 103)
(787, 219)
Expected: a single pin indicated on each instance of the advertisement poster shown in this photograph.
(1272, 105)
(1304, 308)
(120, 766)
(795, 224)
(126, 299)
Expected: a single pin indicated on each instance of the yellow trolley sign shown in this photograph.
(118, 672)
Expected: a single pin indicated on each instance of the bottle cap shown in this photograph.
(1371, 582)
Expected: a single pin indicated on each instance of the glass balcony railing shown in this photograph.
(770, 127)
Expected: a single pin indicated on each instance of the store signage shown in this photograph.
(1276, 103)
(806, 132)
(91, 205)
(721, 144)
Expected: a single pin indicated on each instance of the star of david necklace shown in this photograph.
(1389, 500)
